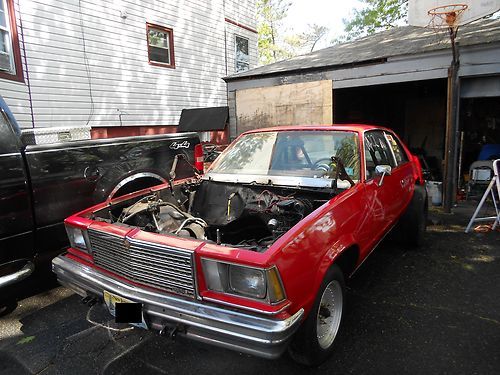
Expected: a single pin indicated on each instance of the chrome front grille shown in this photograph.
(149, 264)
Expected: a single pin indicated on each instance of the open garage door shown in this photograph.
(479, 121)
(414, 110)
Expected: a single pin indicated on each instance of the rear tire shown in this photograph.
(314, 342)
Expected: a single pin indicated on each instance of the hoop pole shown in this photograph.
(452, 125)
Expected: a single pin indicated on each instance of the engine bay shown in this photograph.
(237, 215)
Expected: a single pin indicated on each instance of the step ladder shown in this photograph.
(495, 182)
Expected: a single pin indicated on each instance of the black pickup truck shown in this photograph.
(41, 185)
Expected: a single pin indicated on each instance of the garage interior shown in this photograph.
(417, 112)
(480, 117)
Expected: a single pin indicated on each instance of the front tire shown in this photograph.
(315, 339)
(413, 223)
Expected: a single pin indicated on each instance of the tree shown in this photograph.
(270, 14)
(377, 15)
(305, 42)
(313, 35)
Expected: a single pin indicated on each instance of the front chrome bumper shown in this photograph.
(249, 333)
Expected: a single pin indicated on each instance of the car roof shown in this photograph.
(359, 128)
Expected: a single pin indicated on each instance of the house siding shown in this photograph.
(16, 93)
(112, 84)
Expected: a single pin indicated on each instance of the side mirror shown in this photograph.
(382, 170)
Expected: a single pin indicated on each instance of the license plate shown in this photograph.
(130, 307)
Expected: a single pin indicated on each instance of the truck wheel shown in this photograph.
(6, 307)
(314, 341)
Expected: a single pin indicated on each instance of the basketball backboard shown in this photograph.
(474, 10)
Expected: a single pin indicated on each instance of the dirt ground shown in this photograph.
(435, 309)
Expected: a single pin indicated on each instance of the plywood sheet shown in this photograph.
(292, 104)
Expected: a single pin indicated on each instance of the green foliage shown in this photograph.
(270, 14)
(376, 16)
(25, 340)
(312, 36)
(273, 45)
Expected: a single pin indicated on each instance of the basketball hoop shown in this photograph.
(446, 16)
(441, 16)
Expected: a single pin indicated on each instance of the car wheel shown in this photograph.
(412, 225)
(315, 339)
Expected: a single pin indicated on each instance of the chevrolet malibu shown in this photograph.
(253, 255)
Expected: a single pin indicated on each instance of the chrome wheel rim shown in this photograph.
(329, 314)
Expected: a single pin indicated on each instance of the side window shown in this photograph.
(397, 149)
(377, 152)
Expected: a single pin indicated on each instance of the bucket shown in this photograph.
(434, 192)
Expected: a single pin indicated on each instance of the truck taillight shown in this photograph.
(198, 157)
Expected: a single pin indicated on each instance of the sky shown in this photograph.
(327, 13)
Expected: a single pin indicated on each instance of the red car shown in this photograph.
(253, 255)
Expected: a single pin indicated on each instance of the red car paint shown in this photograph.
(357, 218)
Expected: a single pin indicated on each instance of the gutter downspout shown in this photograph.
(27, 69)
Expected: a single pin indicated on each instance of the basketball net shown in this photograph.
(446, 17)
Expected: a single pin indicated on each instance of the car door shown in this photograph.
(16, 220)
(380, 194)
(402, 174)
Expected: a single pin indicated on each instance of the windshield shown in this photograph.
(291, 153)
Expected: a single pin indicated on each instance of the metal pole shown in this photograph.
(452, 133)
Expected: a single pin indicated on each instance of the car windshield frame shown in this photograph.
(291, 153)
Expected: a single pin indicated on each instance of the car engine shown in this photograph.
(251, 217)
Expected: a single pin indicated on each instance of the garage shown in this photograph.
(415, 110)
(398, 78)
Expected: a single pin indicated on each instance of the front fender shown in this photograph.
(345, 242)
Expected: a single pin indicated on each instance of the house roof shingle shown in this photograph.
(398, 41)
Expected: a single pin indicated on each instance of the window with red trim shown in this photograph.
(10, 55)
(160, 45)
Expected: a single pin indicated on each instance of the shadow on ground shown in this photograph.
(435, 309)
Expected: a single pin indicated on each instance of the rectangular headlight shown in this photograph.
(249, 282)
(77, 238)
(255, 283)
